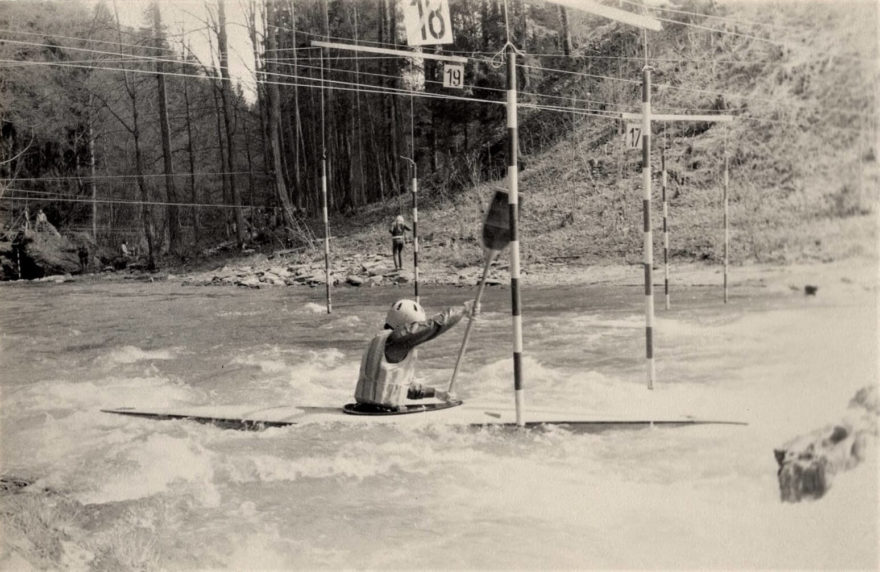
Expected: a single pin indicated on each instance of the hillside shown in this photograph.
(803, 169)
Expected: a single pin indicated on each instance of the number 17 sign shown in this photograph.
(427, 22)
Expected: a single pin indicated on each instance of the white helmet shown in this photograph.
(404, 313)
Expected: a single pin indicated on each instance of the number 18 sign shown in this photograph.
(427, 22)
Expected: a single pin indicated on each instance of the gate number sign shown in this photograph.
(427, 22)
(633, 136)
(453, 75)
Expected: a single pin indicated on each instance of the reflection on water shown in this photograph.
(114, 492)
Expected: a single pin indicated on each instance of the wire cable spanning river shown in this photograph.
(110, 492)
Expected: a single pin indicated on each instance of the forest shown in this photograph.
(125, 132)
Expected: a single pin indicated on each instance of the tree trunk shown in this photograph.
(171, 209)
(192, 164)
(92, 171)
(226, 96)
(224, 169)
(250, 163)
(296, 136)
(134, 130)
(275, 126)
(566, 31)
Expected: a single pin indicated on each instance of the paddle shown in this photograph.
(496, 235)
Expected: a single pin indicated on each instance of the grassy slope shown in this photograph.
(803, 179)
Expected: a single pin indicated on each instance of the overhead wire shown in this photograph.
(63, 199)
(146, 175)
(373, 89)
(525, 66)
(80, 39)
(394, 91)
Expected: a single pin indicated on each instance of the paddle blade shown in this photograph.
(496, 227)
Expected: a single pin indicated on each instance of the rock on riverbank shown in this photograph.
(807, 464)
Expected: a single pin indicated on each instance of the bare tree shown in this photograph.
(226, 97)
(172, 212)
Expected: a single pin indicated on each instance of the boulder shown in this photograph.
(354, 280)
(41, 254)
(272, 278)
(374, 280)
(374, 268)
(808, 463)
(279, 271)
(248, 281)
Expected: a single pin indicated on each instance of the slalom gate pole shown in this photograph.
(513, 205)
(726, 218)
(665, 227)
(415, 218)
(324, 194)
(646, 208)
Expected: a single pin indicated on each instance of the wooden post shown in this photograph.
(646, 208)
(665, 227)
(726, 228)
(513, 203)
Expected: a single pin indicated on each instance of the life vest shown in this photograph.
(397, 232)
(381, 382)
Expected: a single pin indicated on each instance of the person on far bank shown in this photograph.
(388, 366)
(123, 248)
(83, 253)
(41, 222)
(398, 236)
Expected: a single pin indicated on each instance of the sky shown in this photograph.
(191, 17)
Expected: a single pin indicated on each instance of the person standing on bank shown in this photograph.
(83, 253)
(398, 235)
(388, 366)
(42, 221)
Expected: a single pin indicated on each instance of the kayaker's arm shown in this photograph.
(403, 340)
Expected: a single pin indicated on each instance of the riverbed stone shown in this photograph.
(248, 281)
(808, 463)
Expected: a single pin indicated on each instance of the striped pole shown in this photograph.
(326, 228)
(665, 228)
(324, 194)
(726, 228)
(513, 204)
(646, 208)
(415, 218)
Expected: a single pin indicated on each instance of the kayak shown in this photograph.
(453, 413)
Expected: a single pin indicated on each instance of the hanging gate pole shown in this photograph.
(726, 228)
(415, 217)
(665, 227)
(513, 205)
(646, 207)
(324, 193)
(415, 229)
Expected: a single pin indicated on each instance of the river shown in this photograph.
(112, 492)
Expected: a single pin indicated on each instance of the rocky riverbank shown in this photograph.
(839, 279)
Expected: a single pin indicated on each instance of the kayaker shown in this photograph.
(388, 366)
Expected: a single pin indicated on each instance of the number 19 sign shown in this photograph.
(453, 75)
(427, 22)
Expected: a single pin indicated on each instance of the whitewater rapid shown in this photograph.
(117, 492)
